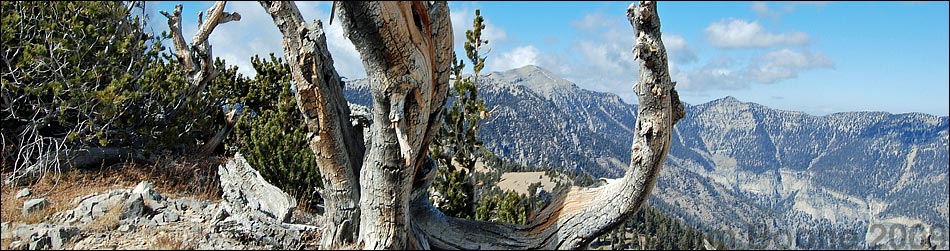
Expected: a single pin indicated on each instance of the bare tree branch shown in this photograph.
(181, 47)
(216, 16)
(197, 60)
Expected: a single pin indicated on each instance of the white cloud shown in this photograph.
(256, 34)
(736, 34)
(599, 58)
(515, 58)
(590, 21)
(725, 73)
(785, 64)
(678, 49)
(462, 21)
(717, 74)
(762, 10)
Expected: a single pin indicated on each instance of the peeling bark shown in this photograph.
(405, 48)
(336, 144)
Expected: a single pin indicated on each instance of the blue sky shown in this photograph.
(815, 57)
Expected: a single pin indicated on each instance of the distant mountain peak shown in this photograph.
(535, 78)
(727, 100)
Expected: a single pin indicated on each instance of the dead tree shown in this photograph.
(376, 191)
(197, 61)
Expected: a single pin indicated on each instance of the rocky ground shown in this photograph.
(250, 214)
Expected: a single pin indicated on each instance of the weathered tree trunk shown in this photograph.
(405, 48)
(336, 144)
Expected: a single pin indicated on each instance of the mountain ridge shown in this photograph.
(837, 172)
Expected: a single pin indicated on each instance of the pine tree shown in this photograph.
(456, 147)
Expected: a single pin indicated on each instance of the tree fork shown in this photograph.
(406, 48)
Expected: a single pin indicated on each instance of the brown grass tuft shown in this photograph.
(107, 222)
(165, 242)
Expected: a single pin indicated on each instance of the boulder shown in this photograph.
(60, 235)
(34, 205)
(245, 189)
(151, 198)
(95, 205)
(44, 236)
(23, 193)
(133, 206)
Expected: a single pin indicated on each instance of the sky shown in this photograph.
(815, 57)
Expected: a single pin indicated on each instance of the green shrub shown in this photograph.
(272, 136)
(86, 74)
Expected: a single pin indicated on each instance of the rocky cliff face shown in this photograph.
(733, 165)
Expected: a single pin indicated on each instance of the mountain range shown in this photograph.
(757, 176)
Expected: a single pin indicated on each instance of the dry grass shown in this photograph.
(107, 222)
(58, 189)
(165, 242)
(170, 177)
(5, 243)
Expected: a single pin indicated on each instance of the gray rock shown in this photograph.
(184, 204)
(40, 243)
(171, 216)
(215, 213)
(151, 198)
(133, 206)
(44, 236)
(34, 205)
(18, 245)
(125, 228)
(159, 218)
(23, 232)
(60, 235)
(166, 217)
(245, 189)
(78, 200)
(23, 193)
(4, 231)
(95, 205)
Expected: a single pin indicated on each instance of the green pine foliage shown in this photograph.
(272, 136)
(658, 231)
(71, 68)
(456, 147)
(86, 74)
